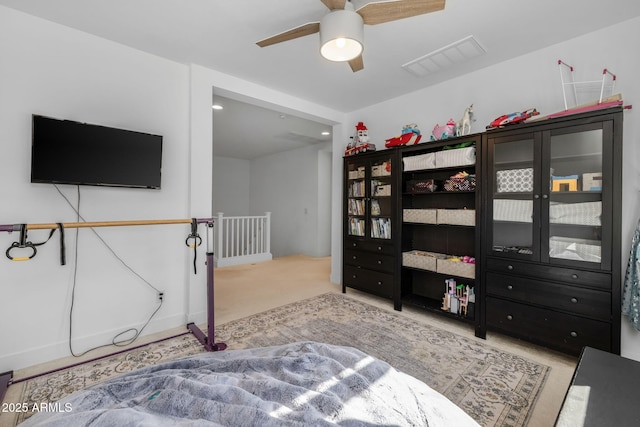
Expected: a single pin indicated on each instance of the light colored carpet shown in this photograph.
(243, 291)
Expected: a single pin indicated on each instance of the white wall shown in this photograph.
(52, 70)
(531, 81)
(288, 185)
(231, 186)
(56, 71)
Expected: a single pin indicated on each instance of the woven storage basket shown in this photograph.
(457, 216)
(467, 183)
(456, 268)
(421, 259)
(423, 216)
(419, 162)
(422, 186)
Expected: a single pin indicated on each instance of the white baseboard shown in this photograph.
(43, 354)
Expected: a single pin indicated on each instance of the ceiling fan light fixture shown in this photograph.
(341, 35)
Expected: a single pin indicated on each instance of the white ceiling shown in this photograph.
(221, 34)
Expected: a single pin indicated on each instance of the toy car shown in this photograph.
(513, 118)
(358, 147)
(410, 135)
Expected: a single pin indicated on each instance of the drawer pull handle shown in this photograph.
(354, 244)
(355, 257)
(379, 282)
(510, 267)
(379, 248)
(574, 334)
(509, 317)
(574, 300)
(510, 287)
(379, 262)
(574, 276)
(355, 276)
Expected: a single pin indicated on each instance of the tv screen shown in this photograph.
(69, 152)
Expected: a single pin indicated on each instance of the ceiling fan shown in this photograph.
(341, 30)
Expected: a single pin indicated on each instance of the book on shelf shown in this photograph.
(356, 207)
(356, 227)
(381, 228)
(356, 189)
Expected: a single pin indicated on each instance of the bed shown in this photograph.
(298, 384)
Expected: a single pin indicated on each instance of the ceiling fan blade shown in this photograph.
(334, 4)
(392, 10)
(356, 64)
(294, 33)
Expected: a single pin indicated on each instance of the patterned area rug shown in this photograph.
(495, 387)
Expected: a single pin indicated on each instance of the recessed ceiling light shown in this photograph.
(216, 107)
(325, 133)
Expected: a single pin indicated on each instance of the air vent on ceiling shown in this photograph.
(445, 57)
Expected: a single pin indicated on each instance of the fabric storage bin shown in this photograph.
(421, 161)
(578, 249)
(381, 170)
(421, 259)
(592, 181)
(468, 183)
(424, 216)
(382, 190)
(512, 210)
(457, 216)
(515, 180)
(456, 268)
(458, 157)
(422, 186)
(586, 213)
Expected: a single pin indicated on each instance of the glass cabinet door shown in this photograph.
(369, 202)
(380, 201)
(512, 186)
(575, 196)
(356, 199)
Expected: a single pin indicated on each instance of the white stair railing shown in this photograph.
(242, 239)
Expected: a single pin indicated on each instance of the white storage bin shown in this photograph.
(457, 216)
(458, 157)
(423, 216)
(512, 210)
(515, 180)
(456, 268)
(586, 213)
(578, 249)
(421, 161)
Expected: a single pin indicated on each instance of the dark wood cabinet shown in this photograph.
(539, 211)
(439, 235)
(551, 231)
(370, 223)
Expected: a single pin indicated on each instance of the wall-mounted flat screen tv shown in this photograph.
(69, 152)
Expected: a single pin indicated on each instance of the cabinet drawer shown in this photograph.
(546, 327)
(587, 302)
(554, 274)
(369, 260)
(371, 246)
(368, 281)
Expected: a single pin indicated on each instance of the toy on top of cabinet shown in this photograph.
(410, 135)
(360, 141)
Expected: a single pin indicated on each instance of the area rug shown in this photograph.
(495, 387)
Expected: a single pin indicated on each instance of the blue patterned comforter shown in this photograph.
(299, 384)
